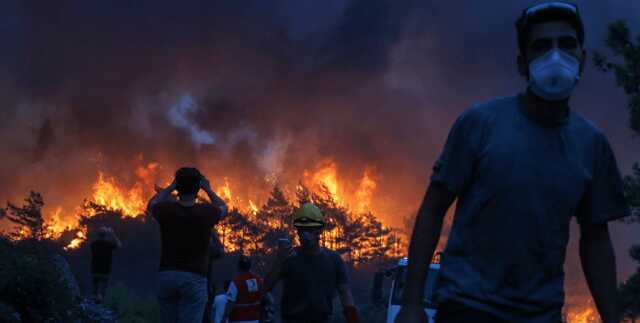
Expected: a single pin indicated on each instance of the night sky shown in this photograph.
(279, 85)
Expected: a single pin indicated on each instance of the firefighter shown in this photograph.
(244, 295)
(311, 275)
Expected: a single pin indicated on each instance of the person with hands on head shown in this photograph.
(520, 168)
(311, 274)
(186, 228)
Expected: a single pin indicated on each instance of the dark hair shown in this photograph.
(188, 180)
(226, 285)
(244, 263)
(526, 22)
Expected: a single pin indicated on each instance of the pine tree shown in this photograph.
(275, 218)
(28, 216)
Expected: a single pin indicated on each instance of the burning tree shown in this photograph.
(275, 218)
(627, 75)
(360, 238)
(28, 217)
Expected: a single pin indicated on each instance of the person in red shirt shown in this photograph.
(186, 228)
(245, 294)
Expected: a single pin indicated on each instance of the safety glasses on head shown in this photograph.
(551, 5)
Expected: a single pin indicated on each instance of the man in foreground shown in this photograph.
(520, 167)
(185, 232)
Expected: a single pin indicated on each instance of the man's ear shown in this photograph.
(583, 60)
(523, 66)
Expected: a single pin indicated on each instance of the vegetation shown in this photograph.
(627, 74)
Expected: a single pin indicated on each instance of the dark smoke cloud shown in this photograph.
(279, 86)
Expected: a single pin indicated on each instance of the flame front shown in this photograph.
(107, 192)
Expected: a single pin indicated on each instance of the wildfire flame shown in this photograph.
(107, 192)
(365, 192)
(112, 192)
(326, 176)
(585, 313)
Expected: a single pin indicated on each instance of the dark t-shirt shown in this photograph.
(310, 283)
(184, 235)
(101, 252)
(518, 182)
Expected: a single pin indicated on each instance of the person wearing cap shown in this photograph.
(102, 249)
(520, 167)
(311, 274)
(186, 228)
(244, 295)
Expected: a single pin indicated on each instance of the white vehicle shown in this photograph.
(398, 275)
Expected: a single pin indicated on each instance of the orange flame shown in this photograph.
(107, 192)
(253, 208)
(225, 193)
(327, 176)
(81, 237)
(365, 192)
(584, 314)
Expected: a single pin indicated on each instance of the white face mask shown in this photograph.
(554, 75)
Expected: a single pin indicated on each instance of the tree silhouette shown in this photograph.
(627, 73)
(28, 216)
(275, 218)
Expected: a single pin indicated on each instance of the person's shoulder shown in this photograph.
(581, 122)
(165, 205)
(491, 107)
(334, 255)
(484, 111)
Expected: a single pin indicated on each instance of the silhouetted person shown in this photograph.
(245, 294)
(185, 233)
(101, 257)
(520, 167)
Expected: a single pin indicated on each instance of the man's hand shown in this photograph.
(204, 184)
(411, 314)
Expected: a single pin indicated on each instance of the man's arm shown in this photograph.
(424, 240)
(215, 199)
(162, 196)
(599, 266)
(346, 298)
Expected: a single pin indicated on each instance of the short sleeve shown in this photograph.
(211, 213)
(454, 167)
(158, 211)
(604, 198)
(341, 271)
